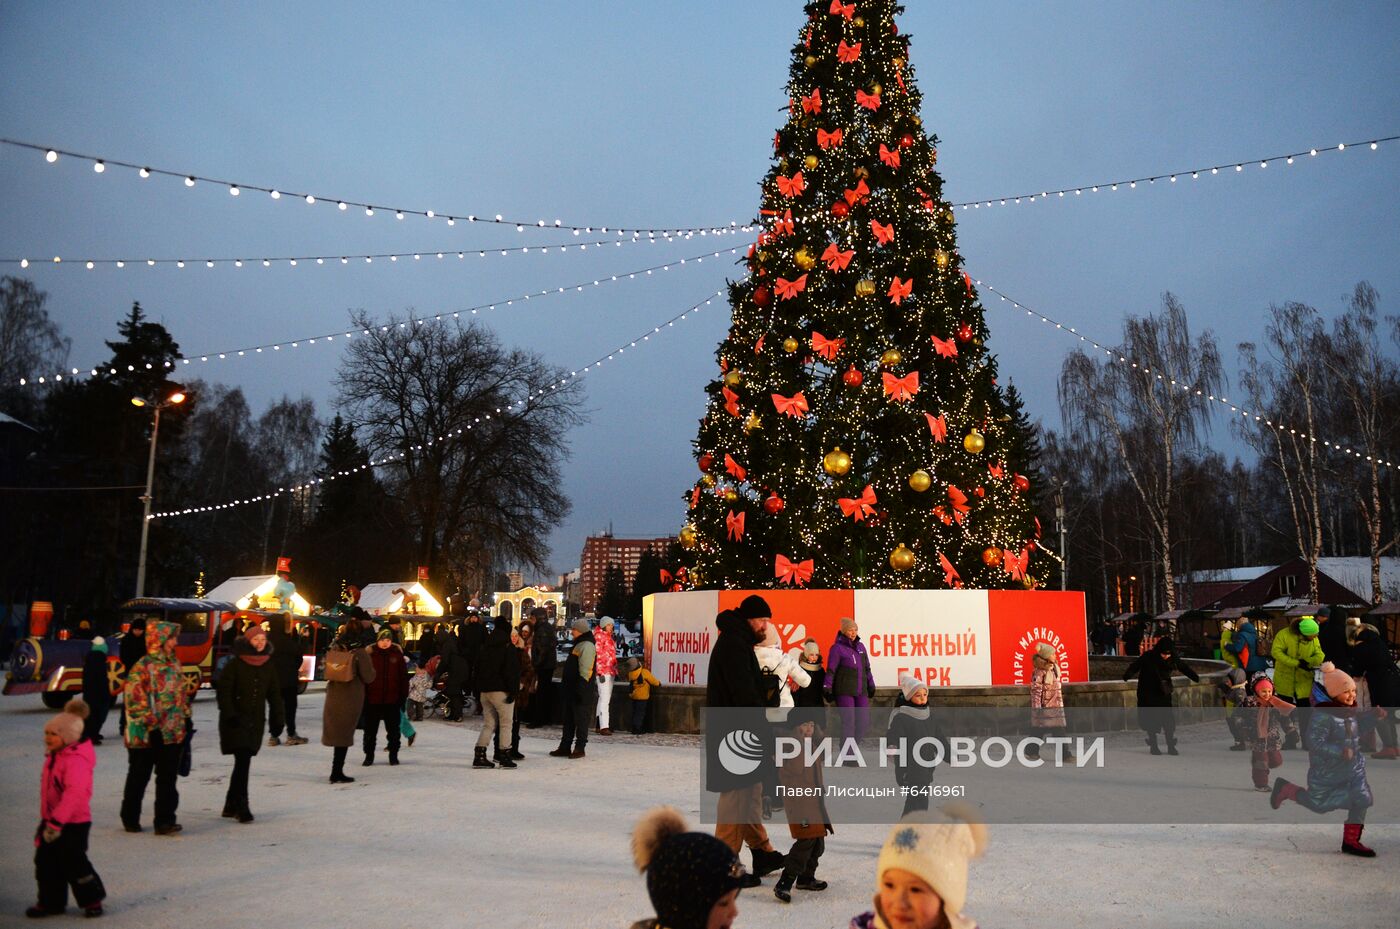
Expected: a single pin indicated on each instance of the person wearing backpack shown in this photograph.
(781, 673)
(348, 669)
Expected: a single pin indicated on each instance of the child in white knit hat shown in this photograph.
(921, 877)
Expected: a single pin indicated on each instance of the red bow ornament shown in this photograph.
(788, 289)
(783, 225)
(665, 577)
(927, 201)
(899, 389)
(967, 282)
(758, 346)
(792, 186)
(958, 500)
(827, 140)
(946, 348)
(731, 401)
(1016, 565)
(900, 289)
(869, 101)
(734, 468)
(812, 103)
(837, 260)
(842, 9)
(694, 497)
(1037, 526)
(859, 507)
(794, 406)
(859, 195)
(995, 470)
(827, 348)
(950, 573)
(735, 526)
(883, 234)
(890, 158)
(847, 53)
(793, 572)
(938, 426)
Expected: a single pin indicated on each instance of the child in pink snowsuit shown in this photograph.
(65, 818)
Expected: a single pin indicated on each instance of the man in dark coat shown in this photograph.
(577, 690)
(1370, 659)
(97, 690)
(471, 636)
(247, 689)
(1332, 636)
(452, 674)
(543, 655)
(288, 651)
(1154, 671)
(734, 682)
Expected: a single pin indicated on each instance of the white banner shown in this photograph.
(680, 635)
(943, 640)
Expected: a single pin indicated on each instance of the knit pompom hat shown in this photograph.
(811, 650)
(99, 644)
(687, 872)
(68, 725)
(910, 685)
(1335, 681)
(936, 847)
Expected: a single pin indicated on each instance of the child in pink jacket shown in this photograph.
(65, 797)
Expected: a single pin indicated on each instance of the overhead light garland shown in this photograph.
(237, 188)
(344, 259)
(1171, 383)
(396, 457)
(74, 374)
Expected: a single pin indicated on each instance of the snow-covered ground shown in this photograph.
(435, 844)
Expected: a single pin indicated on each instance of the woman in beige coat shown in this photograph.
(345, 700)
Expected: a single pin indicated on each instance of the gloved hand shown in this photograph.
(1304, 666)
(828, 696)
(870, 692)
(51, 833)
(510, 699)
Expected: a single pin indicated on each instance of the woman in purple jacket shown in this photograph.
(849, 681)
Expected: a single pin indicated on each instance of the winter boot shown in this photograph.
(393, 756)
(505, 761)
(749, 880)
(1283, 790)
(767, 862)
(244, 815)
(515, 751)
(1171, 746)
(340, 777)
(783, 889)
(1351, 841)
(92, 910)
(1387, 754)
(577, 753)
(274, 741)
(810, 882)
(480, 761)
(230, 809)
(38, 912)
(295, 740)
(560, 752)
(1152, 743)
(369, 759)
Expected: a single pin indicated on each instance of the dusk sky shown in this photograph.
(661, 114)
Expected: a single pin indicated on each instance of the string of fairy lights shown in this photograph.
(100, 164)
(328, 338)
(342, 259)
(1171, 383)
(485, 418)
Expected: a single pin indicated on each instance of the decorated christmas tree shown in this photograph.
(855, 434)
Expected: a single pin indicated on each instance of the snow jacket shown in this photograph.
(498, 665)
(785, 668)
(97, 689)
(811, 695)
(155, 694)
(419, 686)
(1155, 677)
(1229, 657)
(805, 807)
(1337, 782)
(734, 678)
(848, 671)
(642, 682)
(1244, 644)
(288, 650)
(390, 684)
(65, 791)
(908, 726)
(1291, 652)
(1047, 699)
(345, 700)
(579, 669)
(1371, 659)
(607, 652)
(245, 691)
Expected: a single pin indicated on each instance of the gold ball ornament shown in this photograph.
(941, 258)
(991, 556)
(902, 559)
(810, 162)
(876, 89)
(708, 480)
(764, 256)
(731, 495)
(865, 288)
(1029, 582)
(810, 61)
(791, 345)
(892, 358)
(858, 22)
(805, 259)
(836, 462)
(897, 62)
(862, 173)
(916, 120)
(732, 378)
(921, 480)
(753, 423)
(687, 536)
(974, 442)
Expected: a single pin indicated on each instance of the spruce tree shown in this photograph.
(855, 434)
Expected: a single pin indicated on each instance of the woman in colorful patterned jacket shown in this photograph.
(157, 702)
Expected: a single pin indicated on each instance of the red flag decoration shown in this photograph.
(958, 500)
(788, 289)
(734, 468)
(731, 401)
(837, 260)
(847, 53)
(734, 525)
(827, 348)
(792, 186)
(830, 139)
(869, 101)
(794, 406)
(883, 234)
(938, 426)
(859, 195)
(859, 507)
(1016, 565)
(900, 289)
(793, 572)
(812, 103)
(890, 158)
(950, 573)
(967, 281)
(284, 565)
(946, 348)
(899, 389)
(422, 573)
(694, 497)
(842, 9)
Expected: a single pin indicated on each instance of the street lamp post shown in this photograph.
(174, 399)
(1060, 524)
